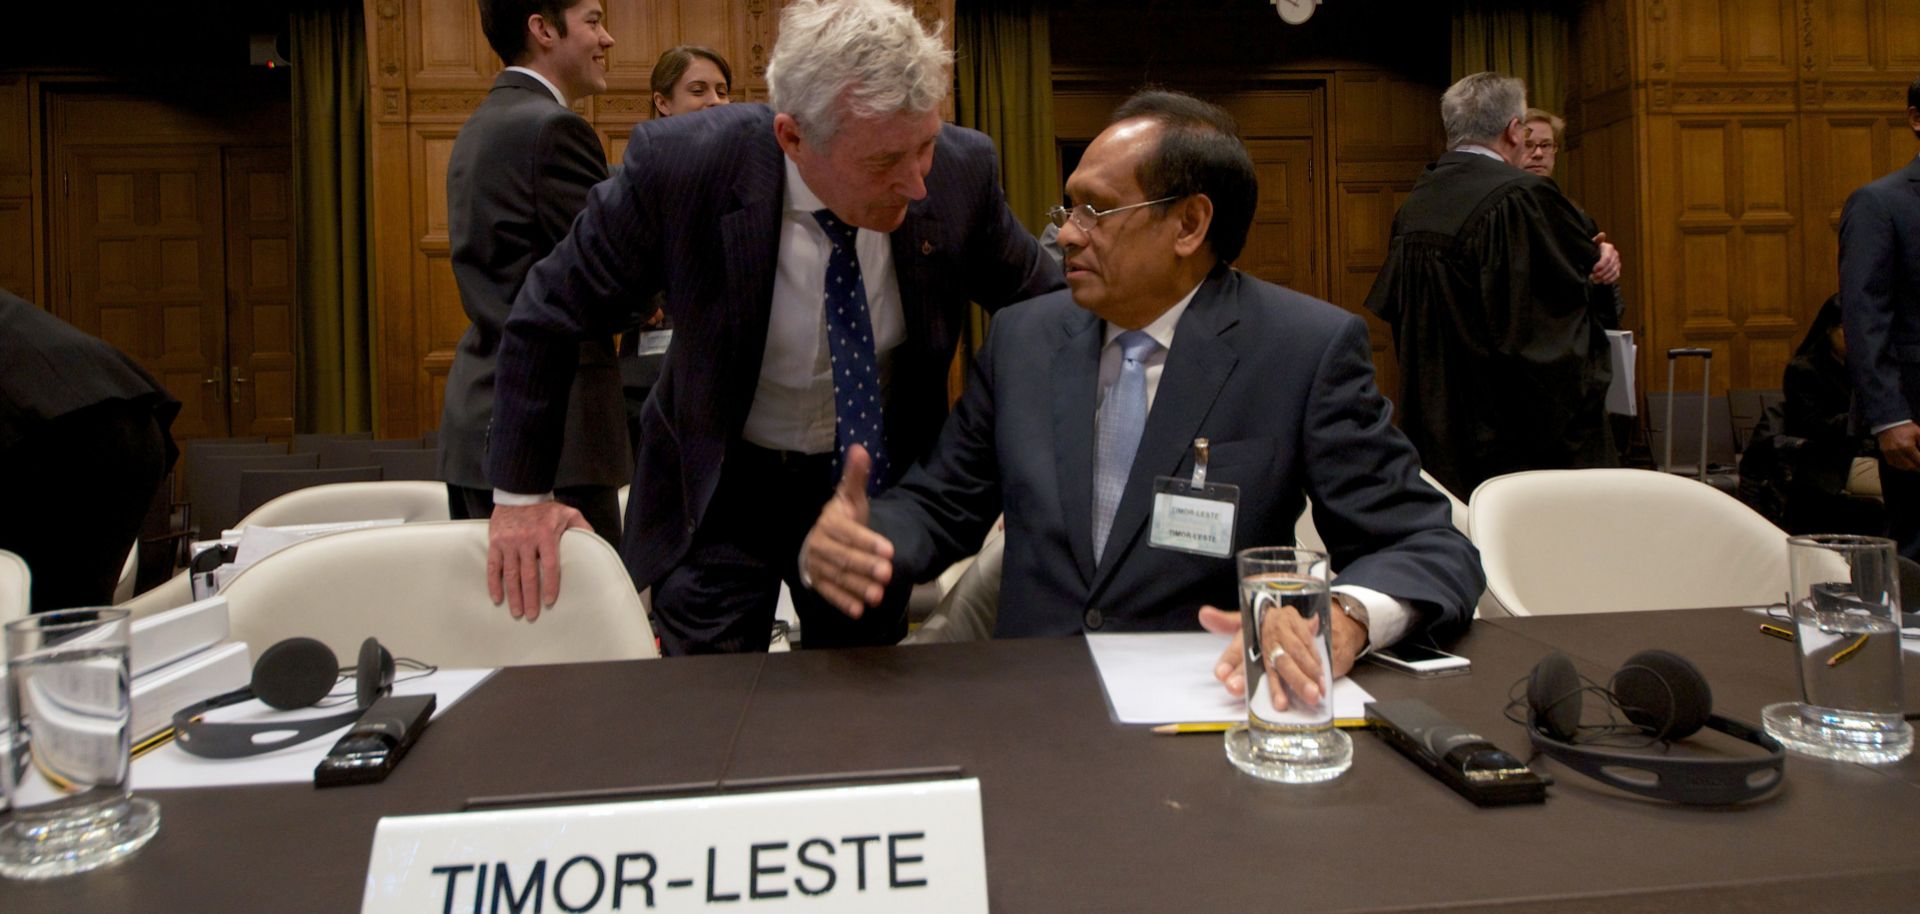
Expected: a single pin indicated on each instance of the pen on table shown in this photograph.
(1846, 653)
(1344, 723)
(1776, 631)
(151, 743)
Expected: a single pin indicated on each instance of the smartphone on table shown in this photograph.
(1422, 660)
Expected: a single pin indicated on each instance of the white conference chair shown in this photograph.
(410, 500)
(16, 588)
(421, 589)
(1307, 536)
(970, 601)
(1603, 540)
(129, 570)
(173, 593)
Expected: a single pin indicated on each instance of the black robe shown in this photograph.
(1503, 352)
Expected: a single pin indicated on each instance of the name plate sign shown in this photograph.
(892, 847)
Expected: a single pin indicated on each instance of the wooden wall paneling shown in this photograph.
(1898, 23)
(1847, 27)
(260, 290)
(17, 260)
(439, 319)
(397, 411)
(1765, 37)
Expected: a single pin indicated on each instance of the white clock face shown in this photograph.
(1295, 12)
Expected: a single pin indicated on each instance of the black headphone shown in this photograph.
(295, 673)
(1665, 697)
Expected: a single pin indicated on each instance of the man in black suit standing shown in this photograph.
(1081, 402)
(1880, 304)
(816, 256)
(519, 173)
(1493, 287)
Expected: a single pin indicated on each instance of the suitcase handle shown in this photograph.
(1706, 384)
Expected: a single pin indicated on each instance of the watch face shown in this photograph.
(1295, 12)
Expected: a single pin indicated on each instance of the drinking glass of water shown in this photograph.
(69, 717)
(1846, 613)
(1284, 607)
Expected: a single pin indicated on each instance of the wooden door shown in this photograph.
(1284, 128)
(260, 275)
(1283, 245)
(145, 267)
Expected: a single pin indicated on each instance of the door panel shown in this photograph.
(1283, 129)
(1282, 244)
(260, 278)
(146, 267)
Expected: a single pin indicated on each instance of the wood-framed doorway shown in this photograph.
(170, 236)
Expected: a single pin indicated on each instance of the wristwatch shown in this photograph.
(1357, 611)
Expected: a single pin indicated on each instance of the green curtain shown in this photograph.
(334, 379)
(1004, 69)
(1517, 39)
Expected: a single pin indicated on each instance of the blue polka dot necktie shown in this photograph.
(1123, 417)
(856, 373)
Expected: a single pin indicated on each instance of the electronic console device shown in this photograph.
(1463, 760)
(370, 751)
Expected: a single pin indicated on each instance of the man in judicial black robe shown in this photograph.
(86, 436)
(1490, 285)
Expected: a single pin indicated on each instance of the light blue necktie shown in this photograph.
(1122, 418)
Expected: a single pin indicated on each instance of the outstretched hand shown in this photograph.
(1901, 446)
(848, 564)
(523, 555)
(1606, 270)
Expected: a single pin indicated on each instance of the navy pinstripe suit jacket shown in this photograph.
(695, 213)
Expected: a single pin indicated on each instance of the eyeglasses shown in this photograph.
(1543, 146)
(1084, 217)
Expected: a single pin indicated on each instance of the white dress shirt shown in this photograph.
(1388, 618)
(793, 404)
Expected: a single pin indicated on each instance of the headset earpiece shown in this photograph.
(295, 673)
(1664, 693)
(1553, 697)
(373, 675)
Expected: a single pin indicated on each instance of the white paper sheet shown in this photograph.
(170, 767)
(1623, 355)
(1167, 678)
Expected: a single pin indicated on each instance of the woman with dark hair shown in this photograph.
(1818, 394)
(686, 78)
(689, 78)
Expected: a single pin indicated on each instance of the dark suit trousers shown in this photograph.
(83, 482)
(1901, 489)
(722, 595)
(600, 505)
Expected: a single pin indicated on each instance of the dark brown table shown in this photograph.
(1083, 814)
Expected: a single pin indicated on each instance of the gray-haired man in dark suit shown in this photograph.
(1880, 303)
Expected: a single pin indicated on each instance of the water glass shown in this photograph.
(69, 719)
(1285, 605)
(1846, 612)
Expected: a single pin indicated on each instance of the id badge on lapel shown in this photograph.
(1191, 516)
